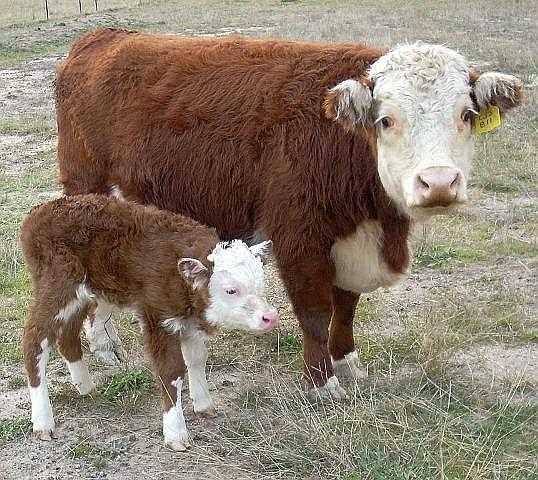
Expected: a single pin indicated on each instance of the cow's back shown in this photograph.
(206, 127)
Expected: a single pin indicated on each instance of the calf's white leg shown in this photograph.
(194, 348)
(42, 417)
(175, 431)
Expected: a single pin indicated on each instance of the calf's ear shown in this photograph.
(350, 104)
(498, 89)
(262, 249)
(193, 271)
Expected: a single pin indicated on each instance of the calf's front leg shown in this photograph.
(194, 348)
(165, 351)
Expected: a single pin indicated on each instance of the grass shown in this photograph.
(13, 428)
(126, 387)
(93, 453)
(411, 428)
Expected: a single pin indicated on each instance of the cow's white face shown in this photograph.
(421, 99)
(236, 286)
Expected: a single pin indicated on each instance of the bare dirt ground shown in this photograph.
(451, 353)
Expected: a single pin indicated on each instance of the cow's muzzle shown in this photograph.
(438, 187)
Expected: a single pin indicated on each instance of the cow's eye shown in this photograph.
(231, 291)
(386, 122)
(467, 115)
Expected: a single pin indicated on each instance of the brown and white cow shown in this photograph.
(170, 270)
(332, 151)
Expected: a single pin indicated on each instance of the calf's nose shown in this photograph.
(437, 186)
(270, 319)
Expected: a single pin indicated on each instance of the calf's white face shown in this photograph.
(236, 286)
(420, 100)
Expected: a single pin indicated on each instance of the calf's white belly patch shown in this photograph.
(359, 265)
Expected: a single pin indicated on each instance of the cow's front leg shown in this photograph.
(309, 286)
(165, 351)
(102, 336)
(345, 359)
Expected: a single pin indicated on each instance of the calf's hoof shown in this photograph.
(330, 391)
(205, 409)
(45, 435)
(349, 368)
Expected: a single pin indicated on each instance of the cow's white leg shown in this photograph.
(102, 335)
(42, 417)
(175, 431)
(349, 367)
(330, 391)
(193, 346)
(80, 376)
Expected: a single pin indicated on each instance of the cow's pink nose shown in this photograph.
(270, 319)
(437, 186)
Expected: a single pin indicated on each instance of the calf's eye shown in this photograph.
(231, 291)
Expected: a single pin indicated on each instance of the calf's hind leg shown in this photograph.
(36, 341)
(165, 351)
(71, 350)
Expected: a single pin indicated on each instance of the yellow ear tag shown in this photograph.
(488, 119)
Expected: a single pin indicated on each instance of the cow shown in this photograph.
(333, 151)
(172, 272)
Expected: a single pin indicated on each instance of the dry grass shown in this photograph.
(470, 300)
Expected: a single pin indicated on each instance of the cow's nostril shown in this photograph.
(423, 183)
(455, 181)
(266, 319)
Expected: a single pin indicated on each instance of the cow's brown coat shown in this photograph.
(233, 132)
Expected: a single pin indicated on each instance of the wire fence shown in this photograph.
(27, 11)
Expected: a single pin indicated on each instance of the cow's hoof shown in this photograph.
(207, 412)
(349, 368)
(330, 391)
(45, 435)
(111, 358)
(178, 445)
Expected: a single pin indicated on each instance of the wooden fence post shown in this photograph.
(47, 8)
(96, 5)
(80, 6)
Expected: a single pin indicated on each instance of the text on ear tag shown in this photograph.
(488, 119)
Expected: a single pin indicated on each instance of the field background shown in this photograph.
(452, 353)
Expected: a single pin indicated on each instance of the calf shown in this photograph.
(169, 270)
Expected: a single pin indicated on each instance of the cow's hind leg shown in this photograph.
(164, 350)
(71, 349)
(102, 336)
(345, 360)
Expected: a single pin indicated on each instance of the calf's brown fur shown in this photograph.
(81, 248)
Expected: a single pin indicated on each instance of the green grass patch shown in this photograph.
(443, 256)
(97, 455)
(26, 125)
(11, 429)
(127, 386)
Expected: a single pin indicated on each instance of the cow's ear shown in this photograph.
(350, 104)
(194, 272)
(499, 89)
(262, 250)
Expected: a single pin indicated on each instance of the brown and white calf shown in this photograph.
(171, 271)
